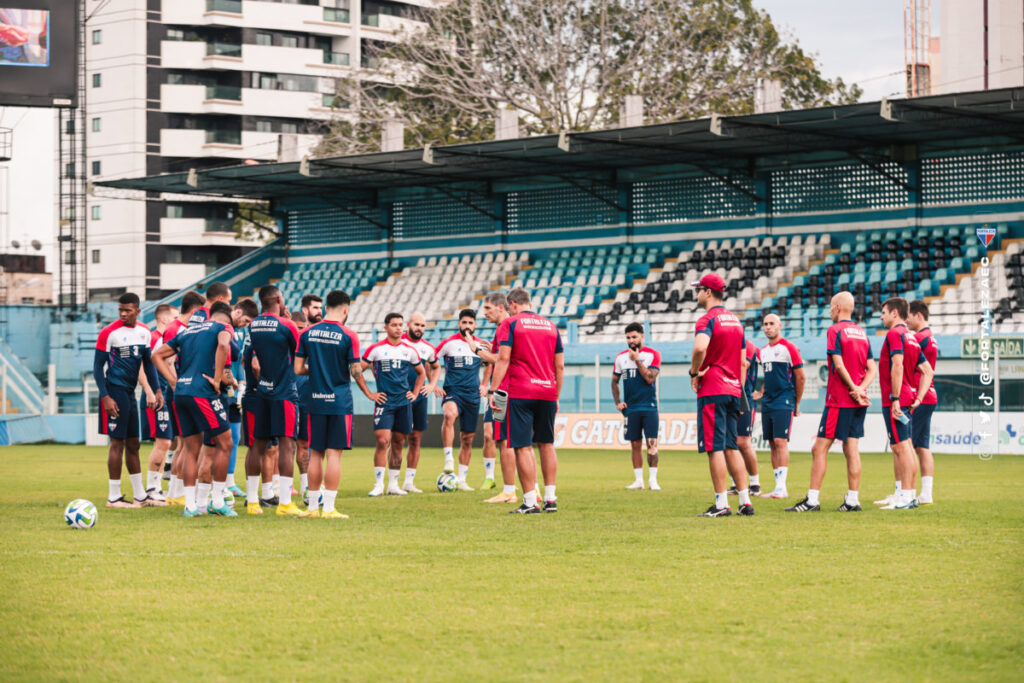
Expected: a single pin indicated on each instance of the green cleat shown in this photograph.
(488, 484)
(194, 513)
(222, 511)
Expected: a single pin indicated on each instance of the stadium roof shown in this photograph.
(873, 132)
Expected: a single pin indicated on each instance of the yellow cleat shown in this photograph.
(253, 509)
(503, 498)
(180, 502)
(289, 510)
(309, 514)
(333, 514)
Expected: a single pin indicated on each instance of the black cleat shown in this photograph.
(804, 506)
(848, 508)
(550, 506)
(269, 502)
(747, 510)
(733, 491)
(755, 489)
(525, 509)
(716, 512)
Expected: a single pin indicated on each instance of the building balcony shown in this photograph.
(388, 26)
(175, 276)
(292, 60)
(202, 99)
(247, 144)
(182, 54)
(217, 232)
(301, 18)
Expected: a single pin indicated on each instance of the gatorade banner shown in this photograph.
(677, 431)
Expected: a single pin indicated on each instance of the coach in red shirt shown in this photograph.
(716, 373)
(530, 354)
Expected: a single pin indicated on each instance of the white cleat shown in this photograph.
(394, 490)
(378, 490)
(653, 485)
(924, 500)
(410, 487)
(777, 493)
(636, 486)
(463, 486)
(888, 500)
(449, 464)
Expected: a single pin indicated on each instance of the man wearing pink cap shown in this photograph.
(716, 373)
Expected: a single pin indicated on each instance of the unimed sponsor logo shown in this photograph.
(676, 431)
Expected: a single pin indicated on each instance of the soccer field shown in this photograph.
(617, 585)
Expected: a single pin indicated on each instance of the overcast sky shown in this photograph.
(860, 41)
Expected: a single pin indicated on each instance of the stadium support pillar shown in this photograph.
(506, 124)
(763, 203)
(3, 389)
(597, 383)
(51, 389)
(913, 169)
(392, 137)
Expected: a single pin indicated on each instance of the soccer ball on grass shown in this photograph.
(80, 514)
(446, 481)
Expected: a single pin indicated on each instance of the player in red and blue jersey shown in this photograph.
(122, 349)
(783, 368)
(156, 424)
(903, 374)
(242, 315)
(531, 356)
(461, 397)
(745, 422)
(851, 369)
(716, 374)
(274, 339)
(328, 355)
(639, 365)
(413, 336)
(302, 388)
(390, 360)
(203, 350)
(921, 435)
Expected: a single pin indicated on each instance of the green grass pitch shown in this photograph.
(619, 585)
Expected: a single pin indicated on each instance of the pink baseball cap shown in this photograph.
(711, 281)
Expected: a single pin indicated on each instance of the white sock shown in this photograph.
(780, 477)
(393, 478)
(755, 479)
(252, 485)
(721, 500)
(448, 452)
(530, 499)
(314, 501)
(329, 497)
(202, 494)
(378, 476)
(137, 489)
(285, 490)
(275, 482)
(852, 498)
(152, 480)
(638, 474)
(908, 494)
(926, 486)
(172, 487)
(230, 482)
(113, 489)
(744, 496)
(899, 487)
(489, 468)
(508, 490)
(410, 474)
(652, 474)
(304, 479)
(463, 471)
(732, 482)
(812, 497)
(549, 493)
(217, 494)
(190, 497)
(267, 490)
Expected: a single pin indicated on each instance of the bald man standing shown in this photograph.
(780, 399)
(413, 336)
(851, 369)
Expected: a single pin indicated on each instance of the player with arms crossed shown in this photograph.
(921, 436)
(905, 376)
(414, 337)
(780, 399)
(640, 365)
(122, 348)
(532, 358)
(390, 360)
(716, 374)
(461, 396)
(203, 350)
(329, 354)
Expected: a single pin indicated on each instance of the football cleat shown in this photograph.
(179, 501)
(156, 494)
(503, 498)
(804, 506)
(410, 487)
(653, 485)
(635, 486)
(907, 504)
(194, 513)
(716, 512)
(151, 501)
(395, 490)
(377, 490)
(289, 510)
(733, 491)
(488, 484)
(550, 506)
(236, 492)
(333, 514)
(269, 502)
(888, 500)
(747, 510)
(924, 500)
(224, 511)
(122, 502)
(755, 489)
(846, 507)
(308, 514)
(777, 493)
(463, 486)
(253, 508)
(525, 509)
(449, 464)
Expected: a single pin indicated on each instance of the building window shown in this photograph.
(95, 255)
(96, 125)
(97, 80)
(97, 167)
(289, 128)
(264, 127)
(289, 41)
(172, 256)
(69, 170)
(69, 258)
(264, 39)
(175, 34)
(175, 211)
(97, 213)
(175, 79)
(97, 36)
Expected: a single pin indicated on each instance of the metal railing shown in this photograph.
(219, 225)
(224, 92)
(223, 49)
(337, 14)
(233, 6)
(224, 137)
(336, 58)
(371, 20)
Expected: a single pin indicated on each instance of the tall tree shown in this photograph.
(568, 64)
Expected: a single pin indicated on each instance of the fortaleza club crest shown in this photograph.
(986, 235)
